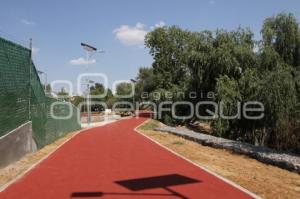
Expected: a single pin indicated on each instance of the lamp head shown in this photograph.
(88, 47)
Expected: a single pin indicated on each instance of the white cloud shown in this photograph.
(160, 24)
(27, 22)
(81, 61)
(132, 36)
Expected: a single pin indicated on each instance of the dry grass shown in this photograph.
(203, 127)
(18, 168)
(265, 180)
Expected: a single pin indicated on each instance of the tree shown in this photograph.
(97, 89)
(145, 83)
(125, 95)
(228, 93)
(281, 32)
(124, 89)
(110, 99)
(167, 46)
(63, 95)
(279, 96)
(237, 69)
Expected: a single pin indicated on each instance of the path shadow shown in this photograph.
(100, 194)
(156, 182)
(139, 184)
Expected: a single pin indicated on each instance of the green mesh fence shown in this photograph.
(16, 69)
(14, 86)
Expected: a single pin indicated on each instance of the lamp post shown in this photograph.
(133, 97)
(89, 105)
(90, 50)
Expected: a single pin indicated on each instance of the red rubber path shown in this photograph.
(114, 161)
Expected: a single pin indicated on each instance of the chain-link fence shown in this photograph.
(22, 99)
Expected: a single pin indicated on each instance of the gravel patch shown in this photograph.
(263, 154)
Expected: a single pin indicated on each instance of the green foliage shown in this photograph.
(279, 96)
(145, 82)
(167, 119)
(237, 69)
(249, 85)
(110, 99)
(124, 89)
(269, 59)
(229, 95)
(97, 89)
(167, 46)
(282, 33)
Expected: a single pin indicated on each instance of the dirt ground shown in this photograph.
(265, 180)
(20, 167)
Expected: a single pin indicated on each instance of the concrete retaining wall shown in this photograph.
(16, 144)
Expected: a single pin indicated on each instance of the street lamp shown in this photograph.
(133, 97)
(89, 106)
(90, 50)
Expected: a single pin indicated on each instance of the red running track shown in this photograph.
(114, 161)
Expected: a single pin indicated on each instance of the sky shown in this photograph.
(57, 28)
